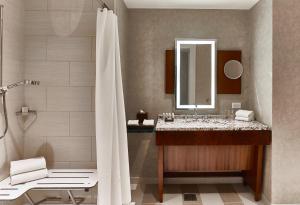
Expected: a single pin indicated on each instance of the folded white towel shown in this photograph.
(247, 119)
(148, 122)
(27, 165)
(244, 113)
(28, 176)
(133, 122)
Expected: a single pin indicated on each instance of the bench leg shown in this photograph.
(29, 199)
(72, 197)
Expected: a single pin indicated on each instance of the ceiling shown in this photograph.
(191, 4)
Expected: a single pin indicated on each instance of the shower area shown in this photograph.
(49, 68)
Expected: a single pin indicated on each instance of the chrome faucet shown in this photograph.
(195, 112)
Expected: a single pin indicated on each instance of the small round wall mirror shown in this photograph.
(233, 69)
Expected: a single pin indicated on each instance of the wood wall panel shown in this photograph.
(224, 84)
(207, 158)
(170, 72)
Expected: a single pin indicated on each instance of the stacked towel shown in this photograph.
(133, 122)
(27, 170)
(244, 115)
(148, 122)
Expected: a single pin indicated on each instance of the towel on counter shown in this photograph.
(133, 122)
(28, 176)
(247, 119)
(148, 122)
(245, 114)
(27, 165)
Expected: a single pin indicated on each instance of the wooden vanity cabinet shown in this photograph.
(212, 153)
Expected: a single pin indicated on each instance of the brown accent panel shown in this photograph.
(170, 72)
(160, 173)
(224, 84)
(237, 137)
(207, 158)
(204, 174)
(254, 177)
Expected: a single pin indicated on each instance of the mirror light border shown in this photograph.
(213, 72)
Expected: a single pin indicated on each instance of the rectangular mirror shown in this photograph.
(195, 74)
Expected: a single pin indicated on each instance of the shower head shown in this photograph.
(24, 82)
(31, 82)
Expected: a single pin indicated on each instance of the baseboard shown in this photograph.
(265, 200)
(190, 180)
(285, 204)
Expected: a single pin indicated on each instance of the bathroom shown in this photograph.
(54, 43)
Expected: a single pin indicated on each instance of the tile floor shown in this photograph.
(219, 194)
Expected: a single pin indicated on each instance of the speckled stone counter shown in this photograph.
(212, 122)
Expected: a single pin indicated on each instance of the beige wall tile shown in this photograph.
(35, 5)
(11, 147)
(37, 23)
(69, 5)
(69, 149)
(94, 149)
(50, 124)
(35, 98)
(93, 98)
(60, 22)
(82, 74)
(83, 165)
(48, 73)
(83, 25)
(82, 124)
(34, 146)
(69, 49)
(57, 165)
(35, 48)
(69, 99)
(93, 48)
(61, 35)
(15, 72)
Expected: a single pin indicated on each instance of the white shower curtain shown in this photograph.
(111, 134)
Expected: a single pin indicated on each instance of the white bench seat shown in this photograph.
(58, 179)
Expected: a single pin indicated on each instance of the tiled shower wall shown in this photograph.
(60, 52)
(11, 147)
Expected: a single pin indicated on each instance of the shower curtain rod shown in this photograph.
(103, 4)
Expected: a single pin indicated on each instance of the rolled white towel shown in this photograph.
(133, 122)
(27, 165)
(148, 122)
(245, 113)
(29, 176)
(247, 119)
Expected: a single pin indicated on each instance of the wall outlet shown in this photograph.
(236, 105)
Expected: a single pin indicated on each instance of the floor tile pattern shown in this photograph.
(206, 194)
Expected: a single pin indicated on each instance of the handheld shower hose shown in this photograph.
(3, 91)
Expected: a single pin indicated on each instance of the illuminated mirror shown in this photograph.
(195, 74)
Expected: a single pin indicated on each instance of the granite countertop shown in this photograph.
(216, 122)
